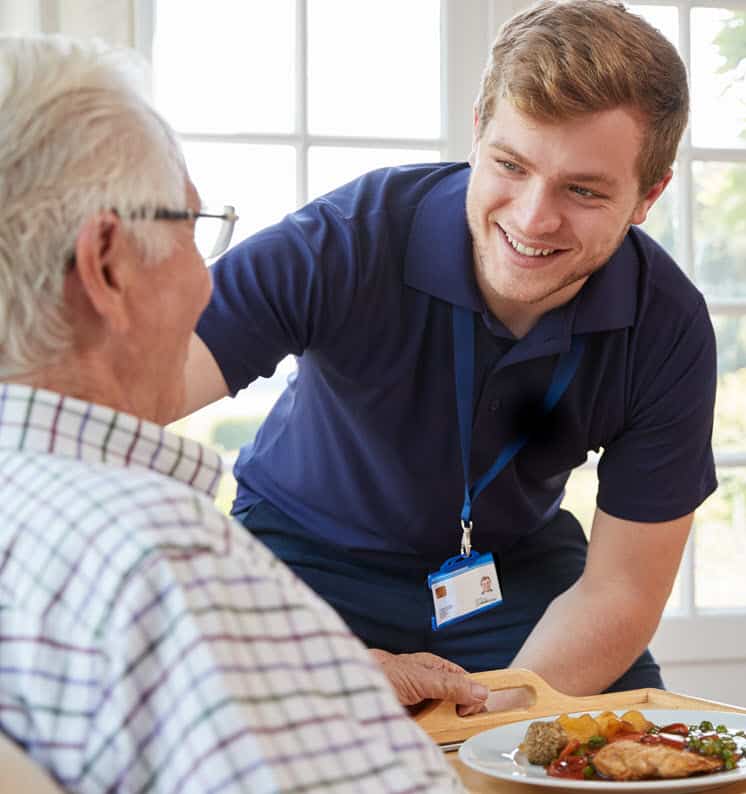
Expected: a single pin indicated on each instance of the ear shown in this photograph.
(646, 202)
(474, 137)
(103, 269)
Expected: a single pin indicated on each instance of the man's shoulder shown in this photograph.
(126, 493)
(390, 190)
(364, 217)
(664, 286)
(98, 522)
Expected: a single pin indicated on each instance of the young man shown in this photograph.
(466, 334)
(147, 642)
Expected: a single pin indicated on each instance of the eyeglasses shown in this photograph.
(213, 228)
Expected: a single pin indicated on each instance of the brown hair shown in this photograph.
(561, 59)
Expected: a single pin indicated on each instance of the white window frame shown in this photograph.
(689, 635)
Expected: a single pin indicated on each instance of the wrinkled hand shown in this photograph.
(422, 676)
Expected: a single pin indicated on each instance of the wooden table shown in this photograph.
(444, 726)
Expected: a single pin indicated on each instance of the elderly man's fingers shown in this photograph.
(424, 676)
(380, 655)
(453, 687)
(429, 660)
(414, 683)
(433, 662)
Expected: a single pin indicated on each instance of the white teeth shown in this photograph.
(526, 251)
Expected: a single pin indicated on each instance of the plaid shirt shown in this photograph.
(150, 644)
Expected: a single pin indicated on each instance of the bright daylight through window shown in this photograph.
(269, 120)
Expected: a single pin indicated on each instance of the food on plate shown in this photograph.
(580, 728)
(630, 747)
(606, 724)
(628, 760)
(543, 742)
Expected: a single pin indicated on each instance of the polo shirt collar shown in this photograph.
(44, 422)
(439, 258)
(439, 261)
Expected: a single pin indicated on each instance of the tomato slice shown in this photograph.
(572, 767)
(676, 727)
(569, 749)
(667, 739)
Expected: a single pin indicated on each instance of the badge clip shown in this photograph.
(466, 527)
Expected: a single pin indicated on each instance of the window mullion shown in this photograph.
(686, 259)
(686, 193)
(143, 27)
(301, 100)
(687, 576)
(466, 36)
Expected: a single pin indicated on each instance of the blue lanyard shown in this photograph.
(463, 353)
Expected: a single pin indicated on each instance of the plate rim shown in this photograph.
(690, 784)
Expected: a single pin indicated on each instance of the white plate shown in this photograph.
(495, 753)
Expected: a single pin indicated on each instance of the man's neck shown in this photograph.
(520, 317)
(80, 378)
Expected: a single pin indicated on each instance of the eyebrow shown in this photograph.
(596, 179)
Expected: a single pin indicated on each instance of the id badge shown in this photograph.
(463, 587)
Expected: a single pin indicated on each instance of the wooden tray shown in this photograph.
(445, 726)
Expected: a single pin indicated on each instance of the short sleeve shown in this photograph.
(280, 292)
(661, 466)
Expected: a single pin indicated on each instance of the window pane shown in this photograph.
(720, 229)
(381, 77)
(717, 73)
(720, 534)
(228, 424)
(665, 18)
(720, 544)
(331, 166)
(258, 180)
(730, 416)
(662, 222)
(225, 66)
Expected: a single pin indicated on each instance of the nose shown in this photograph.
(537, 211)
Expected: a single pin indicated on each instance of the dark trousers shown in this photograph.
(385, 601)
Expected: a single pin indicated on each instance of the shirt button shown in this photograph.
(494, 405)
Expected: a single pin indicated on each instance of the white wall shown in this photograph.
(704, 655)
(721, 681)
(112, 20)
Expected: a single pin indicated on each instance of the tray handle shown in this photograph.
(442, 722)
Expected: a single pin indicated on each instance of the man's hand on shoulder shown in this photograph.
(423, 676)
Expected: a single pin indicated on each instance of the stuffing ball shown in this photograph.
(543, 743)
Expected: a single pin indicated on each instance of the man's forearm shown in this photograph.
(588, 637)
(592, 633)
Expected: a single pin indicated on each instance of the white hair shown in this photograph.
(77, 136)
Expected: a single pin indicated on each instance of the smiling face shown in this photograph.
(548, 204)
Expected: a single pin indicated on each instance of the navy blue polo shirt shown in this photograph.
(362, 448)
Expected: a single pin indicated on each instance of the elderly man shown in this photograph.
(147, 642)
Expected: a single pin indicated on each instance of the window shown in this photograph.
(279, 101)
(268, 118)
(702, 221)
